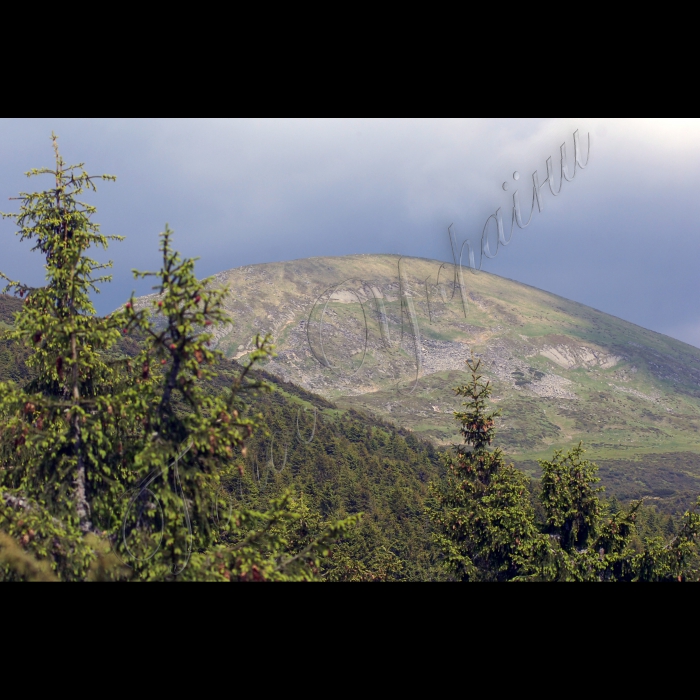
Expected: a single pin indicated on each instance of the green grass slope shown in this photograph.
(562, 371)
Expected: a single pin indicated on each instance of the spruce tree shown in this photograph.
(484, 523)
(569, 497)
(587, 540)
(51, 435)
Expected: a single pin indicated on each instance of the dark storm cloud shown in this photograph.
(621, 237)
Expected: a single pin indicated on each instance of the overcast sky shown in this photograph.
(620, 237)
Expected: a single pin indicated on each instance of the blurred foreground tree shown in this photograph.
(114, 466)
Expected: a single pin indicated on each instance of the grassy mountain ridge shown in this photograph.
(562, 371)
(533, 344)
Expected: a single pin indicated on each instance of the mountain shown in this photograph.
(389, 336)
(339, 460)
(562, 371)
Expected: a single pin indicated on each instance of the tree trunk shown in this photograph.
(81, 503)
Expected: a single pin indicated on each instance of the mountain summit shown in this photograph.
(390, 335)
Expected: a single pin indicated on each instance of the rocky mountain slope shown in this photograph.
(390, 335)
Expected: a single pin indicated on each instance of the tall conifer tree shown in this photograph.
(484, 523)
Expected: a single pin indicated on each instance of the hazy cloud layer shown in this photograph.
(620, 237)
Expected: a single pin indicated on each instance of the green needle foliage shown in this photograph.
(114, 466)
(569, 497)
(487, 529)
(483, 520)
(584, 539)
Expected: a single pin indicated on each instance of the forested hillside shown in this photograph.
(344, 463)
(340, 463)
(12, 355)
